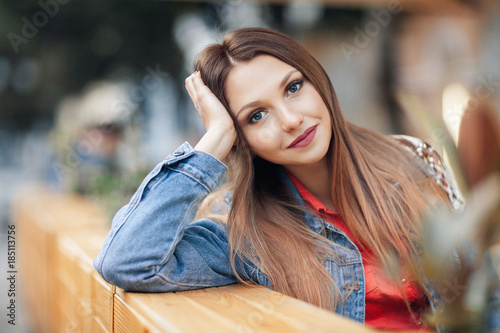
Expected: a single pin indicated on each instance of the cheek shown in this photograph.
(265, 137)
(261, 139)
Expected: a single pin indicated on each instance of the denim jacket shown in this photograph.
(154, 245)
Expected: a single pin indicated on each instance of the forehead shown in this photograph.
(252, 80)
(263, 62)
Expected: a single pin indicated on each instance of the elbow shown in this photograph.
(131, 276)
(120, 275)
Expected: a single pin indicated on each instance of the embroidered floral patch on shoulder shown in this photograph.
(435, 165)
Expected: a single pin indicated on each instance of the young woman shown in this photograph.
(315, 207)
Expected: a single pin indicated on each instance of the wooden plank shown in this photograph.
(75, 266)
(67, 318)
(242, 315)
(74, 286)
(102, 300)
(98, 326)
(36, 234)
(49, 224)
(172, 313)
(236, 308)
(290, 310)
(127, 320)
(88, 240)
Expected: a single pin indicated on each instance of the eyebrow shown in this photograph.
(282, 84)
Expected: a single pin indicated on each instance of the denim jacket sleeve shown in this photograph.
(153, 245)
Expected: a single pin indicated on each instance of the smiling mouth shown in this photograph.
(305, 138)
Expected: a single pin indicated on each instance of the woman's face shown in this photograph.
(280, 113)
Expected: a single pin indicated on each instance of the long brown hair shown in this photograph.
(377, 188)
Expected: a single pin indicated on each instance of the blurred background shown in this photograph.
(92, 92)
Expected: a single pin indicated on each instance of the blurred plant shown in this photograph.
(465, 290)
(468, 236)
(113, 190)
(97, 145)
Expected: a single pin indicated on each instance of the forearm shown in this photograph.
(145, 233)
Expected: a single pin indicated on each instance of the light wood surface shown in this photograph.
(61, 234)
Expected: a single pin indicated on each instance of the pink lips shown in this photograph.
(305, 138)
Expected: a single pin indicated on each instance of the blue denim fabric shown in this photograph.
(153, 245)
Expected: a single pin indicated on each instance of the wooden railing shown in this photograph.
(58, 237)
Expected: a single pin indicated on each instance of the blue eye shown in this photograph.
(294, 87)
(256, 117)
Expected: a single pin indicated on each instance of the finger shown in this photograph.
(200, 87)
(205, 97)
(192, 91)
(189, 85)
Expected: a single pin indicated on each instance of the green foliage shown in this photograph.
(113, 190)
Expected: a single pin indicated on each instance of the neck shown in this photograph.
(316, 179)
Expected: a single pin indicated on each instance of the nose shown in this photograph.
(289, 119)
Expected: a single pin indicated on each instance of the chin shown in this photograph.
(312, 160)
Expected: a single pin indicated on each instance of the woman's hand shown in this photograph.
(221, 134)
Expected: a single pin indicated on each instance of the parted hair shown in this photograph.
(377, 187)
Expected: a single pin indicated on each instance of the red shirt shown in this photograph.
(385, 306)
